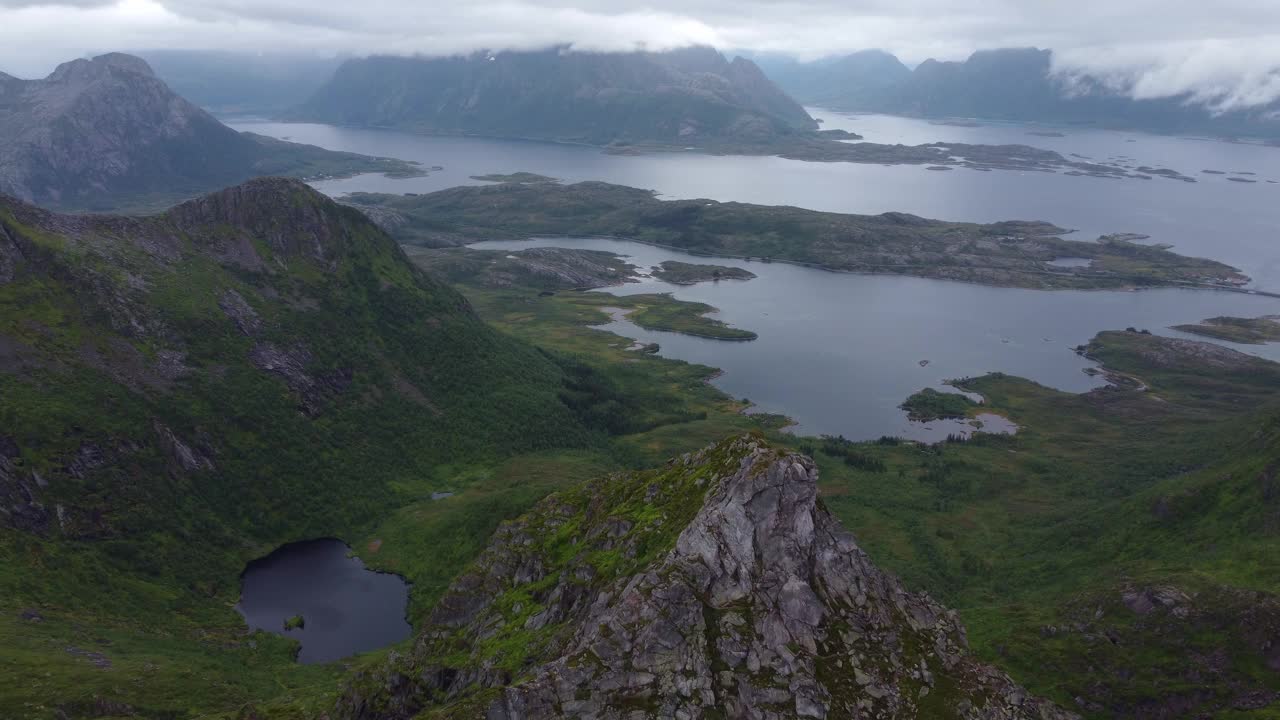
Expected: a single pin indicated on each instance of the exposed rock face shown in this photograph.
(684, 96)
(761, 606)
(96, 132)
(108, 122)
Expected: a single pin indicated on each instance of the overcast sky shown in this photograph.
(1226, 50)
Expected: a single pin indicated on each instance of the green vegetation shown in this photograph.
(157, 435)
(498, 281)
(1100, 497)
(1249, 331)
(1014, 254)
(297, 622)
(1048, 540)
(286, 391)
(929, 404)
(543, 268)
(681, 273)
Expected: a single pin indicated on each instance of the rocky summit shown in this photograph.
(716, 587)
(107, 133)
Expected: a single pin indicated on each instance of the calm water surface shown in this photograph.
(346, 607)
(839, 352)
(1233, 222)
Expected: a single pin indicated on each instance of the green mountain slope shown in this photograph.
(180, 393)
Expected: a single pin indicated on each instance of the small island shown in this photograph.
(519, 178)
(929, 405)
(1247, 331)
(682, 273)
(297, 622)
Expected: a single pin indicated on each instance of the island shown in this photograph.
(516, 177)
(524, 277)
(1005, 254)
(929, 405)
(682, 273)
(1247, 331)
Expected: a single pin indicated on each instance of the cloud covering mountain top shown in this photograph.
(1226, 54)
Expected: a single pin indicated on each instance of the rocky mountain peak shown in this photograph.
(100, 66)
(291, 217)
(718, 586)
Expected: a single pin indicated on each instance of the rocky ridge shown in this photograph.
(718, 586)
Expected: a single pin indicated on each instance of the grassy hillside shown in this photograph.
(182, 393)
(1120, 548)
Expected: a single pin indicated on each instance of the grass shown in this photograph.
(929, 405)
(1096, 494)
(682, 273)
(1248, 331)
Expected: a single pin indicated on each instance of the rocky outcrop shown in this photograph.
(718, 587)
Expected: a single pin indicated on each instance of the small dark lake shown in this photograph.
(346, 608)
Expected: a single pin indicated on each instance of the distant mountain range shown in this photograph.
(107, 133)
(1005, 84)
(230, 83)
(690, 96)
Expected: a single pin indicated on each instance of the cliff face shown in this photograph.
(718, 586)
(683, 96)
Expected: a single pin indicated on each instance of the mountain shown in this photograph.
(684, 96)
(241, 83)
(250, 367)
(107, 133)
(856, 78)
(717, 586)
(1005, 84)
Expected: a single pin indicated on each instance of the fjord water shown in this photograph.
(1237, 223)
(346, 608)
(839, 352)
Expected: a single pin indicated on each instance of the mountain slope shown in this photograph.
(180, 393)
(107, 132)
(847, 80)
(718, 586)
(1005, 84)
(684, 96)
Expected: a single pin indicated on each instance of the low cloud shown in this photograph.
(1223, 54)
(1219, 74)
